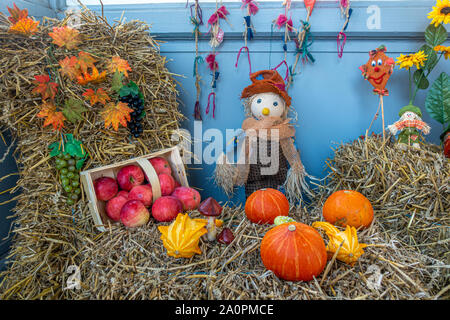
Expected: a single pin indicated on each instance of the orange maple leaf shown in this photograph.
(16, 14)
(44, 87)
(94, 77)
(70, 67)
(85, 61)
(25, 26)
(115, 114)
(119, 64)
(94, 97)
(53, 117)
(65, 36)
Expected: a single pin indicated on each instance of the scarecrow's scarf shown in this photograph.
(295, 182)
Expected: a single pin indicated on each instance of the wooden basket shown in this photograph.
(97, 207)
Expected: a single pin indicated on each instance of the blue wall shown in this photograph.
(333, 102)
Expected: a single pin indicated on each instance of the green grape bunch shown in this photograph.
(70, 157)
(69, 176)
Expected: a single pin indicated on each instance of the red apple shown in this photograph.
(105, 188)
(122, 193)
(161, 165)
(134, 214)
(166, 208)
(190, 198)
(130, 176)
(167, 184)
(143, 193)
(113, 207)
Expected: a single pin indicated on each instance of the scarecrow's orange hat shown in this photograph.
(267, 81)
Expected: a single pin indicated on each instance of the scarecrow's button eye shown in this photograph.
(258, 101)
(374, 63)
(380, 62)
(275, 103)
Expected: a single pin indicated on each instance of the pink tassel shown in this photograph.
(287, 69)
(281, 21)
(213, 19)
(221, 13)
(344, 3)
(340, 45)
(252, 6)
(248, 55)
(213, 94)
(290, 24)
(212, 63)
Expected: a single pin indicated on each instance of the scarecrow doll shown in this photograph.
(266, 134)
(409, 125)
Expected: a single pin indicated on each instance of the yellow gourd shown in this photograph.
(351, 249)
(182, 236)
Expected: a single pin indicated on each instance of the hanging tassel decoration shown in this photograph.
(248, 56)
(213, 95)
(196, 19)
(217, 33)
(303, 47)
(346, 12)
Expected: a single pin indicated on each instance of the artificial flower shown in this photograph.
(443, 49)
(407, 61)
(440, 13)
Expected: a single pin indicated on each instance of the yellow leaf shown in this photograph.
(115, 114)
(25, 26)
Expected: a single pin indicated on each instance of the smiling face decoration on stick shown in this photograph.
(378, 70)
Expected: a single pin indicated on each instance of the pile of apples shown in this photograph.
(129, 197)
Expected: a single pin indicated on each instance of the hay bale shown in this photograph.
(49, 235)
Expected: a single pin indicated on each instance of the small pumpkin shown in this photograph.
(348, 207)
(294, 251)
(181, 237)
(264, 205)
(351, 249)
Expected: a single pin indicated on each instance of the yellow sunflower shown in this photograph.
(407, 61)
(440, 13)
(445, 50)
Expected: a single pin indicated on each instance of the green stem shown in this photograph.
(410, 85)
(421, 77)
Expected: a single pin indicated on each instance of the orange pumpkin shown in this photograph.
(294, 252)
(264, 205)
(348, 207)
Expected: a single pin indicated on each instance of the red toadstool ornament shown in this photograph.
(211, 209)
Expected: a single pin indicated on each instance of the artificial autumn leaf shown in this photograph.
(119, 64)
(73, 109)
(44, 87)
(94, 97)
(25, 26)
(16, 14)
(70, 67)
(85, 61)
(65, 36)
(94, 77)
(116, 83)
(115, 114)
(53, 117)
